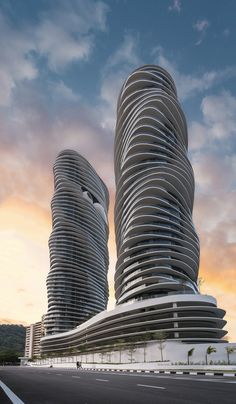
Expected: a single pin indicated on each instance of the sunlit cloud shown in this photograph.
(24, 261)
(213, 157)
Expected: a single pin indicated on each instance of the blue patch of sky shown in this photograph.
(152, 24)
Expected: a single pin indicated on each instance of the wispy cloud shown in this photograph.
(201, 26)
(14, 64)
(64, 34)
(63, 92)
(175, 6)
(60, 47)
(119, 64)
(188, 85)
(219, 112)
(126, 54)
(218, 121)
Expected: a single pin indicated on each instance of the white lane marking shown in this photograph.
(153, 387)
(102, 380)
(12, 396)
(76, 377)
(201, 380)
(58, 374)
(216, 380)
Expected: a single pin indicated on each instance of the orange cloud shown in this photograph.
(11, 321)
(216, 222)
(24, 260)
(219, 271)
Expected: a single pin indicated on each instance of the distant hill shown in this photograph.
(12, 338)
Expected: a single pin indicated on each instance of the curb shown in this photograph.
(169, 372)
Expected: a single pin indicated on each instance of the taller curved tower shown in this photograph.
(77, 282)
(157, 245)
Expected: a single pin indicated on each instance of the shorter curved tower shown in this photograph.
(77, 281)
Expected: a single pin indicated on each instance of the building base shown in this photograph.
(188, 318)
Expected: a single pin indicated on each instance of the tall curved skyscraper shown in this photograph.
(157, 246)
(77, 281)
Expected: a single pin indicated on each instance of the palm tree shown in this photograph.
(209, 351)
(190, 353)
(229, 350)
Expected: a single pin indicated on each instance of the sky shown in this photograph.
(62, 65)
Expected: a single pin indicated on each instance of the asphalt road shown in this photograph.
(58, 386)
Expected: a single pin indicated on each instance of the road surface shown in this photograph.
(61, 386)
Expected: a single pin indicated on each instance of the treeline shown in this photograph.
(12, 342)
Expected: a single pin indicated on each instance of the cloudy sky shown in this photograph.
(61, 67)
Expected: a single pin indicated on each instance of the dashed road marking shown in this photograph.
(152, 387)
(102, 380)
